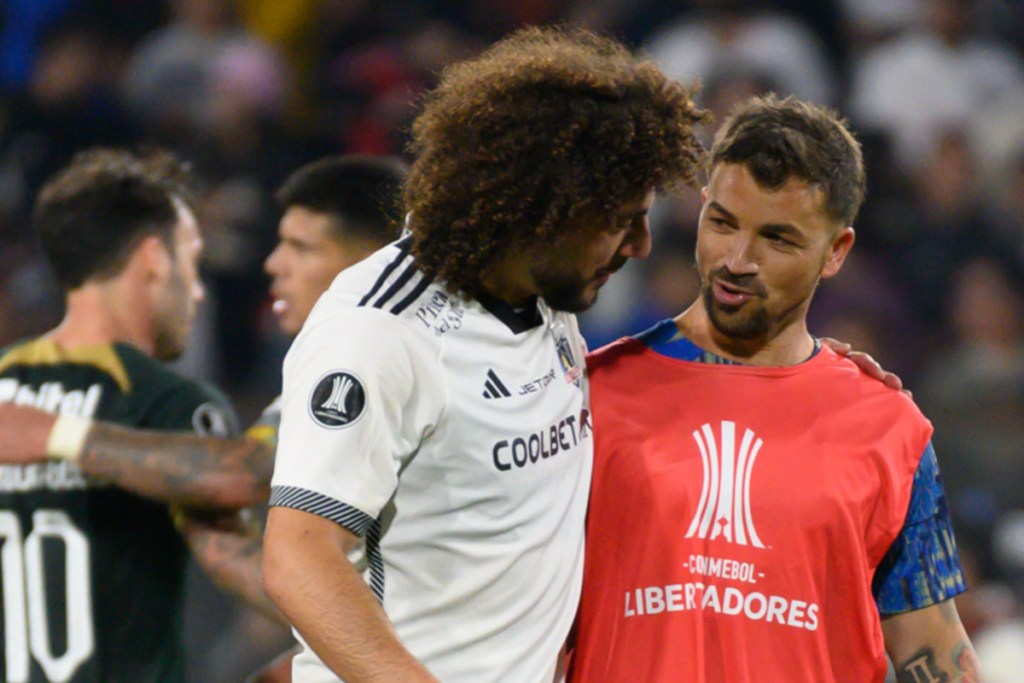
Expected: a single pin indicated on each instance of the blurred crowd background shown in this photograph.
(249, 90)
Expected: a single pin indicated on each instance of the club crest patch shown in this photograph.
(338, 400)
(571, 371)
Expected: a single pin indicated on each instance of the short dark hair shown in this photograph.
(778, 139)
(362, 192)
(512, 144)
(92, 215)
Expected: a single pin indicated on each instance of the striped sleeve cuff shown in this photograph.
(353, 519)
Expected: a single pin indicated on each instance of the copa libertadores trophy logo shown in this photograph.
(338, 400)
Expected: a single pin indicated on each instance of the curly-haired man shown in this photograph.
(435, 450)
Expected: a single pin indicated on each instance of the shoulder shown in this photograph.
(616, 357)
(387, 280)
(173, 401)
(865, 401)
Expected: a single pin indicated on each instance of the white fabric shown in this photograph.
(481, 546)
(918, 86)
(782, 48)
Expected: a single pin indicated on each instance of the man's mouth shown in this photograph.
(729, 294)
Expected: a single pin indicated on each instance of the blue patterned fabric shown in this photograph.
(922, 567)
(666, 339)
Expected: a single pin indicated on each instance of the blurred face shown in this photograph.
(570, 275)
(760, 253)
(305, 263)
(178, 294)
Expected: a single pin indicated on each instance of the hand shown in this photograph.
(868, 365)
(24, 432)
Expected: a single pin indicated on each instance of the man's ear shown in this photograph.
(704, 194)
(153, 257)
(840, 247)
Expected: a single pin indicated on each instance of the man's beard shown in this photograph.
(750, 326)
(172, 330)
(567, 291)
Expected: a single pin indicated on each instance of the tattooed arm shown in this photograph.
(930, 646)
(229, 548)
(184, 469)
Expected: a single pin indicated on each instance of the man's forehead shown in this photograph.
(301, 223)
(735, 189)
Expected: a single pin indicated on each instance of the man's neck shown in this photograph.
(790, 344)
(91, 320)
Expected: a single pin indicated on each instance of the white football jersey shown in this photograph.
(454, 436)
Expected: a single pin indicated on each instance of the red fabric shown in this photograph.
(828, 490)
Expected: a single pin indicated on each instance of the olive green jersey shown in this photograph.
(93, 576)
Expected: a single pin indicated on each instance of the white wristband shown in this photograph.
(68, 437)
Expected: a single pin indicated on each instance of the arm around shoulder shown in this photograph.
(307, 573)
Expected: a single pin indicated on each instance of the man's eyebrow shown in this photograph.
(722, 210)
(785, 228)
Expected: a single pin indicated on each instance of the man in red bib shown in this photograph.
(762, 511)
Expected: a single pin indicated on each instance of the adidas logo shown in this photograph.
(494, 388)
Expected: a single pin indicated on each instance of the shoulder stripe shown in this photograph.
(353, 519)
(43, 351)
(404, 246)
(416, 293)
(396, 286)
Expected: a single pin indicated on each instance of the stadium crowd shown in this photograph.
(250, 90)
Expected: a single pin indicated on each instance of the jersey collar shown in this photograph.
(517, 321)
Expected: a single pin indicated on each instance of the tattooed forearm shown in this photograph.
(966, 663)
(921, 668)
(229, 548)
(189, 470)
(926, 667)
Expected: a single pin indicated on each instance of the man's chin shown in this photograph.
(575, 302)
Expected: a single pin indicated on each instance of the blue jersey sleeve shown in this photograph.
(922, 567)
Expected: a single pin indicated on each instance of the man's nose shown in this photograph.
(742, 256)
(638, 242)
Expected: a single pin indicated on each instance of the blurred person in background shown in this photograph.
(746, 34)
(939, 75)
(337, 211)
(216, 92)
(123, 242)
(974, 386)
(945, 222)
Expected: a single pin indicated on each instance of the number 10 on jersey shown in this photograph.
(26, 626)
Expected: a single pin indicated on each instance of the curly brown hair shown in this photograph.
(512, 144)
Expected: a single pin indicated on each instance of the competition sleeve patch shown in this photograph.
(338, 400)
(353, 519)
(922, 568)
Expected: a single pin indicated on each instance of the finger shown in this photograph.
(868, 365)
(892, 381)
(839, 347)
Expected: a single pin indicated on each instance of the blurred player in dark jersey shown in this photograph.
(93, 575)
(337, 211)
(762, 511)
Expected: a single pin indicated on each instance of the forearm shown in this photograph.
(184, 469)
(931, 646)
(309, 576)
(229, 548)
